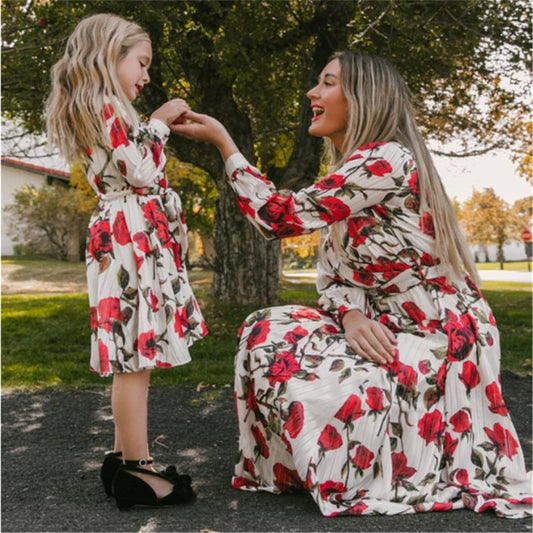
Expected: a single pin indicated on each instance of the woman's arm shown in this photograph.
(369, 177)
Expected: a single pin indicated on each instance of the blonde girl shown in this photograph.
(143, 312)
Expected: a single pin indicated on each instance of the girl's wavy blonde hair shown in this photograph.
(81, 79)
(380, 110)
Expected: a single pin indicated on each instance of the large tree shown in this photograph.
(250, 63)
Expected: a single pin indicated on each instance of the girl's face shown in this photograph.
(329, 105)
(132, 69)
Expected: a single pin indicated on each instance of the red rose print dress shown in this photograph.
(143, 311)
(429, 432)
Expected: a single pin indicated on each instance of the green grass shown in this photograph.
(45, 337)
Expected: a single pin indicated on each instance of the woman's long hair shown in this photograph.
(81, 79)
(380, 109)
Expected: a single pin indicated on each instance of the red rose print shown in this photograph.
(108, 111)
(431, 426)
(244, 205)
(413, 183)
(333, 181)
(503, 440)
(93, 317)
(400, 470)
(371, 146)
(293, 336)
(374, 398)
(259, 334)
(379, 168)
(118, 134)
(142, 242)
(350, 410)
(356, 509)
(305, 313)
(441, 378)
(103, 355)
(428, 260)
(405, 374)
(259, 438)
(108, 313)
(332, 209)
(153, 301)
(460, 421)
(239, 482)
(494, 396)
(469, 376)
(282, 368)
(121, 232)
(414, 312)
(286, 479)
(424, 367)
(449, 447)
(360, 228)
(462, 332)
(381, 211)
(100, 239)
(147, 345)
(363, 457)
(176, 252)
(460, 476)
(294, 423)
(157, 150)
(329, 439)
(331, 487)
(278, 209)
(251, 398)
(181, 321)
(426, 224)
(363, 276)
(154, 214)
(249, 466)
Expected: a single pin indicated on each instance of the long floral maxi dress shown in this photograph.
(143, 312)
(430, 431)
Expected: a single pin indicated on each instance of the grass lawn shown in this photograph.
(45, 336)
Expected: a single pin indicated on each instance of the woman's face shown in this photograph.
(329, 105)
(132, 69)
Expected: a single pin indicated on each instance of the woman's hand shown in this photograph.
(369, 338)
(198, 127)
(171, 112)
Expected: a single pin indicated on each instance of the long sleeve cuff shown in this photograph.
(235, 161)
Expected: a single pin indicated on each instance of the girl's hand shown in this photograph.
(171, 112)
(369, 338)
(198, 127)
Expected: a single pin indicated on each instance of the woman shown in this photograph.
(387, 399)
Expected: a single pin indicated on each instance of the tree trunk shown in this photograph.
(246, 265)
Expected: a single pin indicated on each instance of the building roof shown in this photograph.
(37, 169)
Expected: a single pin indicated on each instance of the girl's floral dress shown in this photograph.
(143, 311)
(429, 432)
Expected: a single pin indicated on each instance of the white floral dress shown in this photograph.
(429, 432)
(143, 312)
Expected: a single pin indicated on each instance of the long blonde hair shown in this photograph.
(380, 109)
(81, 79)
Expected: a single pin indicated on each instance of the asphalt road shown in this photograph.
(53, 443)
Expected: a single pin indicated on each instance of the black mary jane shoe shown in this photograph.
(130, 490)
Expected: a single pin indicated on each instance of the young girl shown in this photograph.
(143, 312)
(387, 400)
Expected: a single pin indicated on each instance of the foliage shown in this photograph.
(250, 63)
(487, 219)
(46, 220)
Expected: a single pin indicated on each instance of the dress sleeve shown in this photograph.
(139, 153)
(370, 176)
(336, 296)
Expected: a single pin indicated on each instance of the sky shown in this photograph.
(461, 176)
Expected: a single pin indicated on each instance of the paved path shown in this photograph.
(53, 443)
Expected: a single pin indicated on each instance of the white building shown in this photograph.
(15, 174)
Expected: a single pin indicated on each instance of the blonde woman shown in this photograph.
(143, 311)
(387, 399)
